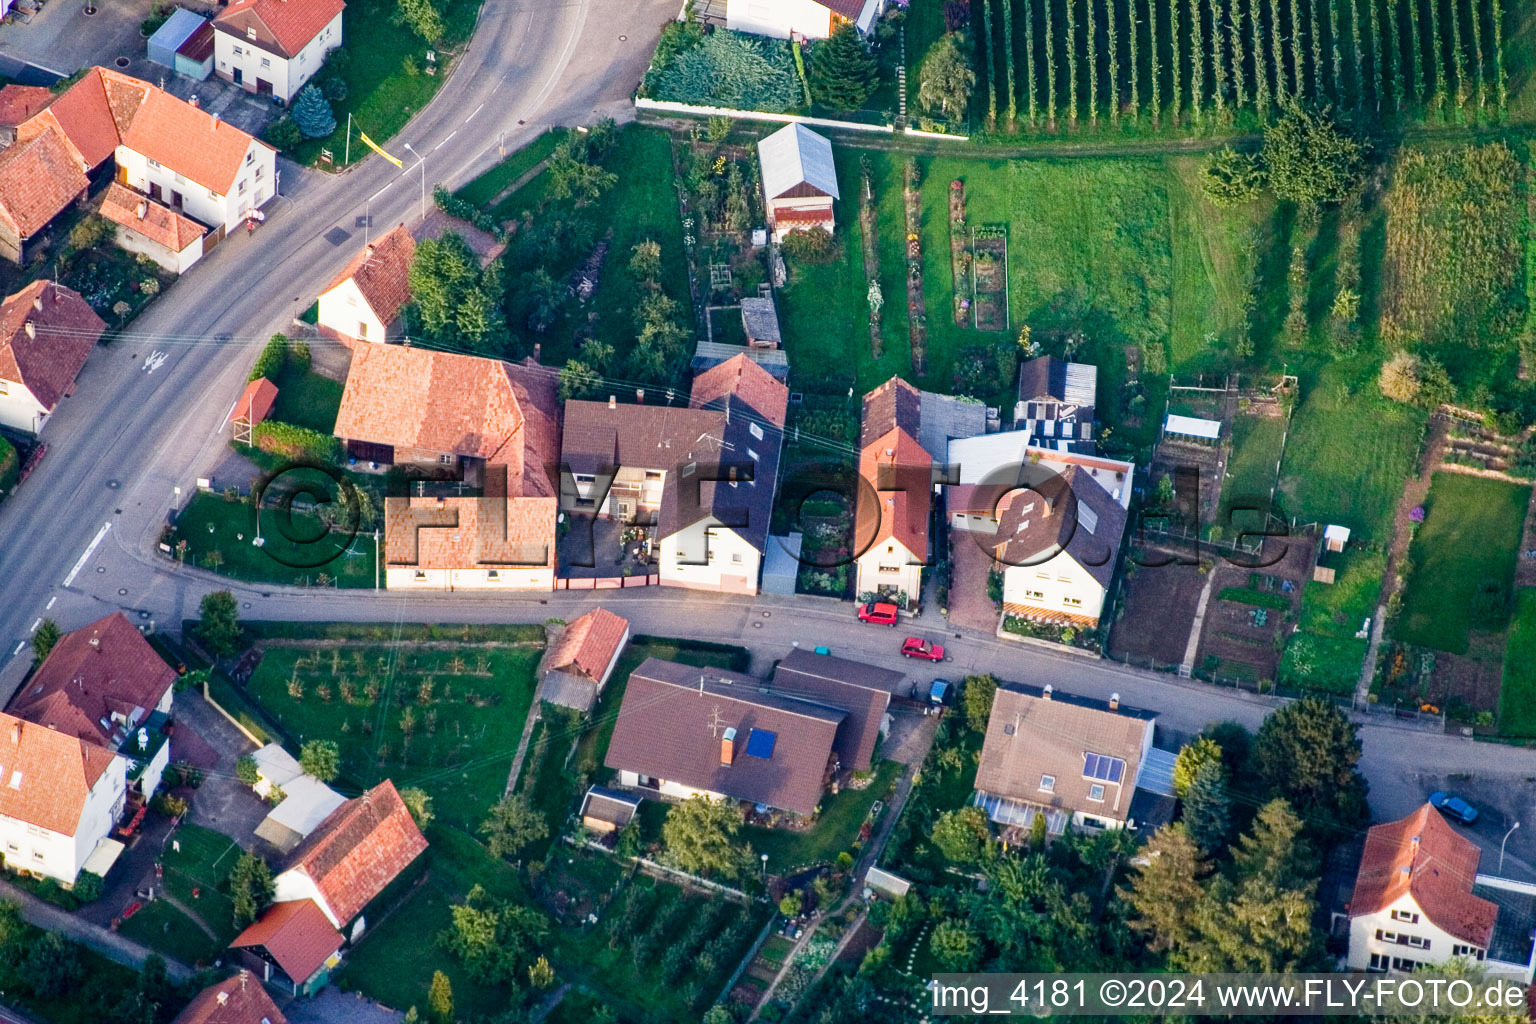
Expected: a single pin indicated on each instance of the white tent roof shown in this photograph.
(1191, 426)
(1336, 532)
(794, 155)
(276, 765)
(306, 802)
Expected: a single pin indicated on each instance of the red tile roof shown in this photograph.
(1422, 857)
(282, 26)
(93, 114)
(470, 533)
(47, 775)
(589, 643)
(39, 178)
(244, 1001)
(156, 222)
(742, 377)
(358, 850)
(254, 402)
(298, 936)
(900, 473)
(104, 669)
(804, 215)
(192, 142)
(19, 102)
(443, 402)
(382, 273)
(64, 330)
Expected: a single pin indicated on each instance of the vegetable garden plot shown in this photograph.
(989, 278)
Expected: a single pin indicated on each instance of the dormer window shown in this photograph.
(250, 32)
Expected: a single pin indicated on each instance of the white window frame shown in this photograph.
(1047, 783)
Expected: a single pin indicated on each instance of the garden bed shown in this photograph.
(989, 299)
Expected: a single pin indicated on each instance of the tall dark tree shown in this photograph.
(44, 637)
(1307, 753)
(250, 888)
(843, 71)
(1208, 809)
(219, 627)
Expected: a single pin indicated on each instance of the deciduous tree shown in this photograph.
(961, 834)
(1193, 756)
(1311, 159)
(945, 79)
(320, 758)
(513, 824)
(976, 697)
(44, 637)
(1230, 178)
(699, 836)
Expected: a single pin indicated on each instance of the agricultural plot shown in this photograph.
(1517, 699)
(1251, 470)
(1196, 64)
(1325, 652)
(989, 282)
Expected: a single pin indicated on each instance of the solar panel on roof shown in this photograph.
(1103, 767)
(760, 743)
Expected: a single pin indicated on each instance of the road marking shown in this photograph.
(155, 360)
(87, 554)
(39, 622)
(451, 134)
(471, 117)
(379, 192)
(52, 599)
(18, 648)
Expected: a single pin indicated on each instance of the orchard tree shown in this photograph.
(423, 17)
(1230, 178)
(945, 79)
(513, 824)
(843, 72)
(219, 628)
(419, 804)
(1399, 378)
(1310, 158)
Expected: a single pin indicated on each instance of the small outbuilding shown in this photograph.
(153, 229)
(799, 180)
(760, 322)
(1330, 555)
(1192, 429)
(607, 810)
(180, 28)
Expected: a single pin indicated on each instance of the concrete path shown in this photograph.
(522, 179)
(1187, 666)
(109, 944)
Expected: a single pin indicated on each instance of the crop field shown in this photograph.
(1064, 64)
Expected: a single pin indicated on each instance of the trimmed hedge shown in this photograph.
(740, 656)
(410, 632)
(10, 466)
(270, 363)
(293, 442)
(463, 209)
(1242, 595)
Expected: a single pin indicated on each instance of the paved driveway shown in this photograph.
(222, 802)
(63, 39)
(333, 1006)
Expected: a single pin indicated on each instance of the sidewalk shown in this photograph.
(108, 943)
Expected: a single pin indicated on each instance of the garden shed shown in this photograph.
(1192, 429)
(194, 57)
(168, 38)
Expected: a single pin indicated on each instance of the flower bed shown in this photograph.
(959, 252)
(917, 309)
(871, 258)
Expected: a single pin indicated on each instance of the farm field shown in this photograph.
(1463, 558)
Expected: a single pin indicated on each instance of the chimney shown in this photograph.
(728, 747)
(192, 101)
(143, 209)
(96, 641)
(37, 303)
(1049, 503)
(16, 732)
(215, 124)
(31, 329)
(1114, 702)
(1045, 694)
(367, 252)
(613, 402)
(223, 998)
(639, 396)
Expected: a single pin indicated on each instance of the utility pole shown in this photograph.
(347, 150)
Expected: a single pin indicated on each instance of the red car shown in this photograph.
(913, 647)
(880, 614)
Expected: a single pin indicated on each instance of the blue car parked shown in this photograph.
(1454, 807)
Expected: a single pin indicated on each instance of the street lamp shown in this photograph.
(421, 162)
(1501, 845)
(765, 865)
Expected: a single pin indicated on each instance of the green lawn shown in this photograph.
(199, 861)
(1517, 699)
(1250, 472)
(172, 934)
(1331, 615)
(306, 399)
(1349, 452)
(486, 187)
(463, 708)
(381, 94)
(544, 780)
(291, 551)
(835, 830)
(1465, 547)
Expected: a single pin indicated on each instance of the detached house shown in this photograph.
(582, 657)
(861, 690)
(104, 684)
(345, 868)
(1075, 760)
(239, 999)
(1420, 900)
(272, 47)
(490, 424)
(46, 333)
(895, 496)
(702, 478)
(39, 180)
(799, 180)
(800, 19)
(363, 302)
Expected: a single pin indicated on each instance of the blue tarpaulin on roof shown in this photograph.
(760, 743)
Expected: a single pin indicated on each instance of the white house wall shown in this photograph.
(297, 885)
(779, 18)
(19, 410)
(890, 564)
(253, 186)
(732, 565)
(287, 76)
(344, 310)
(515, 578)
(1053, 585)
(1363, 941)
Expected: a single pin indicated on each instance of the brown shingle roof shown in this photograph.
(858, 688)
(673, 718)
(19, 102)
(443, 402)
(1030, 736)
(38, 180)
(91, 674)
(359, 849)
(849, 9)
(1070, 512)
(742, 377)
(1423, 857)
(245, 1001)
(282, 26)
(298, 936)
(382, 273)
(589, 643)
(64, 330)
(48, 775)
(158, 222)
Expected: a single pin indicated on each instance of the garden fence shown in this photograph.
(746, 960)
(696, 110)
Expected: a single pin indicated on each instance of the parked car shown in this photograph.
(915, 647)
(878, 612)
(1454, 807)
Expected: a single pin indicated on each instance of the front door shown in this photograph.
(175, 198)
(239, 76)
(154, 191)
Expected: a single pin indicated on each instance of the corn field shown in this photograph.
(1191, 62)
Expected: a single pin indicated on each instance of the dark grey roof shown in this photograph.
(707, 354)
(569, 689)
(760, 320)
(1089, 526)
(947, 417)
(609, 805)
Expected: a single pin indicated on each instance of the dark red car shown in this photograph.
(877, 612)
(914, 647)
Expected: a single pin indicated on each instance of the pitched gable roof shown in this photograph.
(192, 142)
(359, 849)
(382, 273)
(856, 687)
(894, 405)
(1423, 857)
(297, 935)
(741, 376)
(254, 402)
(48, 775)
(63, 332)
(155, 221)
(462, 532)
(39, 178)
(673, 719)
(1030, 735)
(794, 156)
(589, 644)
(245, 1001)
(1070, 512)
(92, 115)
(850, 9)
(92, 674)
(900, 472)
(19, 102)
(282, 26)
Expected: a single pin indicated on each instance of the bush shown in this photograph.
(92, 230)
(813, 246)
(270, 363)
(296, 442)
(335, 89)
(89, 887)
(313, 114)
(283, 133)
(730, 69)
(10, 466)
(464, 210)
